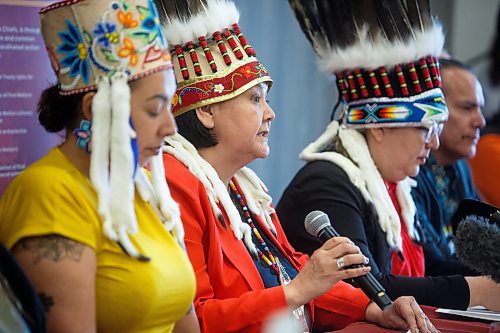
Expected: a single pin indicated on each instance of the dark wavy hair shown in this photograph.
(57, 112)
(454, 63)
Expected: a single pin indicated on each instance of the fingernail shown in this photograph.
(366, 260)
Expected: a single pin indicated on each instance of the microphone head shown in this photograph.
(315, 222)
(477, 243)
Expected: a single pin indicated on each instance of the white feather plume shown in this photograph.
(369, 54)
(219, 14)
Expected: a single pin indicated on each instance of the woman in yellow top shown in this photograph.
(100, 239)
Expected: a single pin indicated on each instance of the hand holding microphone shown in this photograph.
(318, 224)
(323, 270)
(404, 313)
(339, 259)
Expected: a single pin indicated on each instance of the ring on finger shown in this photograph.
(340, 262)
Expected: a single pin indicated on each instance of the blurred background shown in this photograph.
(303, 97)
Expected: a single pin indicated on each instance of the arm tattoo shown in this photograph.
(46, 300)
(52, 247)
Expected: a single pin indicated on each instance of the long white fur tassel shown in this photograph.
(356, 146)
(363, 173)
(314, 151)
(408, 209)
(187, 154)
(99, 158)
(123, 218)
(178, 146)
(256, 196)
(168, 207)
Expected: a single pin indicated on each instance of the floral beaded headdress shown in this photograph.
(89, 39)
(101, 45)
(384, 56)
(213, 60)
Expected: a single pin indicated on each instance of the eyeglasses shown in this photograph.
(430, 131)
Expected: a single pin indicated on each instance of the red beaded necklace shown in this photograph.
(268, 257)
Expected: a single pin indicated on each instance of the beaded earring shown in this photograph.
(83, 134)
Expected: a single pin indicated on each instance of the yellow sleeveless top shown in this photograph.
(53, 197)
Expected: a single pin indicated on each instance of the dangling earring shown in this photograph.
(83, 135)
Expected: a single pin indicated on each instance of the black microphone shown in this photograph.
(318, 224)
(477, 244)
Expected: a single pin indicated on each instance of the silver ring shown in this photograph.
(340, 262)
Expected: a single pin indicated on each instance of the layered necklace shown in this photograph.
(271, 261)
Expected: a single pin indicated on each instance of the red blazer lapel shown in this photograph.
(238, 255)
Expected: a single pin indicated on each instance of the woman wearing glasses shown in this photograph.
(358, 172)
(360, 179)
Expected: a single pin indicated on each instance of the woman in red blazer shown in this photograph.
(246, 270)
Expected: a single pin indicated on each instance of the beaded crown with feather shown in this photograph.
(384, 56)
(213, 61)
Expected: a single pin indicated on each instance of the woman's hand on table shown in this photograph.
(404, 313)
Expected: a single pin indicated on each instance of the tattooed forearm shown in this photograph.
(46, 300)
(51, 247)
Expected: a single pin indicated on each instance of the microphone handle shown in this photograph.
(368, 283)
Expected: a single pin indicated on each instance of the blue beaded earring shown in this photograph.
(83, 135)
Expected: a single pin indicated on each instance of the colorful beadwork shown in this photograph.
(208, 53)
(243, 41)
(425, 73)
(191, 94)
(374, 82)
(194, 58)
(222, 47)
(83, 135)
(414, 78)
(182, 61)
(342, 86)
(352, 86)
(221, 63)
(267, 257)
(234, 46)
(361, 83)
(402, 81)
(433, 67)
(426, 107)
(125, 37)
(386, 82)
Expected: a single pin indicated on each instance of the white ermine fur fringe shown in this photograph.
(187, 154)
(363, 173)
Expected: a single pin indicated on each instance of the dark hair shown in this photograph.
(192, 129)
(495, 55)
(453, 63)
(57, 112)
